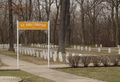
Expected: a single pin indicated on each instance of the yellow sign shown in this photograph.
(33, 25)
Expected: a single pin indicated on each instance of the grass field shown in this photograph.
(27, 77)
(108, 74)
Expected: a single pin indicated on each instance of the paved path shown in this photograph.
(44, 71)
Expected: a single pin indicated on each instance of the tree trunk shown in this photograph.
(93, 24)
(26, 32)
(55, 25)
(11, 43)
(82, 22)
(116, 22)
(67, 25)
(61, 47)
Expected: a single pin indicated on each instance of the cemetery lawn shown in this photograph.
(28, 58)
(104, 51)
(27, 77)
(108, 74)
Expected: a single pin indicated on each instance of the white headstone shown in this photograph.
(80, 54)
(86, 48)
(60, 57)
(119, 51)
(80, 58)
(28, 51)
(20, 50)
(99, 49)
(78, 47)
(109, 50)
(74, 47)
(73, 54)
(89, 48)
(50, 54)
(81, 48)
(37, 54)
(33, 52)
(100, 45)
(25, 51)
(96, 45)
(67, 55)
(55, 54)
(54, 57)
(44, 54)
(118, 46)
(41, 54)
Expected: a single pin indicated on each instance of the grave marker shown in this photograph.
(78, 47)
(67, 55)
(74, 47)
(81, 48)
(109, 50)
(99, 49)
(89, 49)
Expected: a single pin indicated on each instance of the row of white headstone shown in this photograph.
(89, 48)
(43, 46)
(109, 50)
(101, 46)
(6, 46)
(43, 54)
(82, 48)
(53, 55)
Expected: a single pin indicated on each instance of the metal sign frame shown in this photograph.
(33, 29)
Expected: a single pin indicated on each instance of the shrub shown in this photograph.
(105, 60)
(114, 59)
(86, 60)
(96, 60)
(74, 60)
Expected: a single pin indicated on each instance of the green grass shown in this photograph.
(109, 74)
(25, 76)
(93, 52)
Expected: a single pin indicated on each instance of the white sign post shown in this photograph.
(33, 26)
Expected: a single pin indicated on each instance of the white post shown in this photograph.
(48, 43)
(17, 44)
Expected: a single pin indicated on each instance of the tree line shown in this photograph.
(73, 22)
